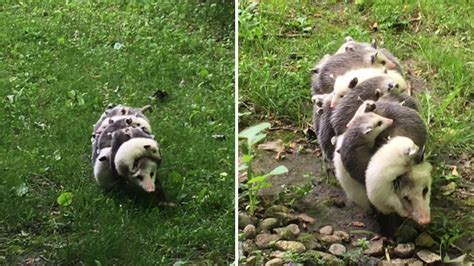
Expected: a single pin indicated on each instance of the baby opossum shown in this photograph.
(371, 89)
(359, 142)
(395, 184)
(116, 113)
(351, 78)
(341, 63)
(102, 172)
(123, 160)
(325, 131)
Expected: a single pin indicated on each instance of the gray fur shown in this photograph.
(367, 90)
(325, 131)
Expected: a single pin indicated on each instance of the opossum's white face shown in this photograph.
(378, 59)
(414, 191)
(373, 124)
(401, 83)
(145, 175)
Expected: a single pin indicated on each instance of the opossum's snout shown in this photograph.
(389, 122)
(421, 217)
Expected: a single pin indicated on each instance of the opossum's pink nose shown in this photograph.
(150, 189)
(390, 122)
(424, 221)
(333, 103)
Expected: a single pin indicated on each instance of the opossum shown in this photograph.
(371, 89)
(354, 190)
(102, 172)
(325, 131)
(127, 154)
(395, 184)
(134, 121)
(105, 139)
(359, 142)
(115, 112)
(351, 78)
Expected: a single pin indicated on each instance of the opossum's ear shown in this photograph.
(128, 121)
(373, 57)
(146, 108)
(315, 70)
(111, 121)
(373, 44)
(124, 111)
(385, 70)
(348, 39)
(353, 83)
(320, 111)
(410, 151)
(378, 94)
(110, 106)
(366, 129)
(421, 156)
(350, 48)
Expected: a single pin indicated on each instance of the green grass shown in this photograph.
(58, 71)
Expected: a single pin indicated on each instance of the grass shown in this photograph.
(60, 65)
(280, 41)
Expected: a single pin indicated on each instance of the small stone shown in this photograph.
(428, 256)
(401, 262)
(303, 217)
(266, 240)
(274, 262)
(285, 218)
(250, 231)
(337, 249)
(268, 224)
(248, 246)
(326, 230)
(274, 209)
(288, 232)
(425, 240)
(244, 220)
(327, 258)
(406, 233)
(330, 239)
(343, 235)
(251, 261)
(277, 254)
(292, 246)
(310, 241)
(374, 248)
(403, 250)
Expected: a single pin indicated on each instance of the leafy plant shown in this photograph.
(65, 199)
(255, 183)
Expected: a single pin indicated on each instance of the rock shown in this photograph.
(244, 220)
(326, 230)
(343, 235)
(277, 254)
(337, 249)
(266, 240)
(303, 217)
(324, 257)
(250, 231)
(270, 212)
(374, 248)
(274, 262)
(428, 256)
(251, 261)
(403, 250)
(406, 234)
(248, 246)
(425, 240)
(289, 232)
(285, 218)
(330, 239)
(268, 224)
(401, 262)
(310, 241)
(292, 246)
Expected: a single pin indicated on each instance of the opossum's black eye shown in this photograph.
(407, 199)
(383, 62)
(341, 96)
(152, 174)
(379, 123)
(425, 191)
(139, 177)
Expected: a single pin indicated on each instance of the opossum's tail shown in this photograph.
(146, 108)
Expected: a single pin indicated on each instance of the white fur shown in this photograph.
(354, 190)
(390, 161)
(132, 150)
(399, 79)
(136, 122)
(146, 168)
(102, 171)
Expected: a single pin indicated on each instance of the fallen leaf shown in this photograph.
(375, 26)
(455, 171)
(357, 224)
(276, 146)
